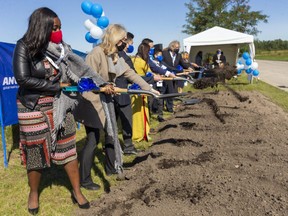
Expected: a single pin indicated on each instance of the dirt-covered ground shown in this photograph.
(226, 155)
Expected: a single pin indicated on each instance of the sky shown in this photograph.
(159, 20)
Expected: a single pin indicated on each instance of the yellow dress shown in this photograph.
(140, 118)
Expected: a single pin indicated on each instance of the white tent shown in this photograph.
(218, 38)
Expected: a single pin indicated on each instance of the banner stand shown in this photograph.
(3, 137)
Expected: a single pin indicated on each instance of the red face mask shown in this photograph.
(56, 37)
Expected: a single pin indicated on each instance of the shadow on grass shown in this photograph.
(15, 140)
(56, 175)
(98, 172)
(239, 83)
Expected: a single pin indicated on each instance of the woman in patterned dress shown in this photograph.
(42, 64)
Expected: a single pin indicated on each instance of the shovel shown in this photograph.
(177, 79)
(127, 91)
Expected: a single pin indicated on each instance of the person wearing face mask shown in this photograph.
(156, 70)
(104, 59)
(157, 104)
(219, 59)
(151, 45)
(141, 112)
(122, 102)
(43, 63)
(171, 59)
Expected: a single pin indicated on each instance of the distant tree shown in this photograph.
(269, 45)
(231, 14)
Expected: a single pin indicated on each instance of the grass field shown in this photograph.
(55, 186)
(280, 55)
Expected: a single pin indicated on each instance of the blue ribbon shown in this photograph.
(134, 86)
(87, 84)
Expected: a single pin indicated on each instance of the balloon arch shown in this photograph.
(95, 30)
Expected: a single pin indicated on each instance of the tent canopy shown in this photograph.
(218, 38)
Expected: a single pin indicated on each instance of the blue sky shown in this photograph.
(160, 20)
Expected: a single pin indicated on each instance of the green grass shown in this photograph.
(55, 186)
(279, 55)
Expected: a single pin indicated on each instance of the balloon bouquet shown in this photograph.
(250, 67)
(95, 32)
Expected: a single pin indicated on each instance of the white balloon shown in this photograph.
(96, 32)
(254, 65)
(103, 14)
(247, 66)
(240, 66)
(242, 61)
(89, 24)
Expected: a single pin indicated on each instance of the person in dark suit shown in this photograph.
(219, 58)
(122, 102)
(156, 70)
(198, 58)
(171, 59)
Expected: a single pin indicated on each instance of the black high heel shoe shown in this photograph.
(83, 206)
(33, 211)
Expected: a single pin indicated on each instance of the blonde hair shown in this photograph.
(113, 34)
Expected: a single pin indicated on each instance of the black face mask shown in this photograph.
(121, 47)
(176, 51)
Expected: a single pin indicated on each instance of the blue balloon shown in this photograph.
(103, 22)
(248, 71)
(255, 73)
(96, 10)
(246, 55)
(89, 38)
(86, 7)
(248, 62)
(239, 71)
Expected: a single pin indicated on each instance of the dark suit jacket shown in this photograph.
(122, 82)
(222, 58)
(168, 62)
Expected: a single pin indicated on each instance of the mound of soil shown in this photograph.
(226, 155)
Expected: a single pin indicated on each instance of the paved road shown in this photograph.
(274, 73)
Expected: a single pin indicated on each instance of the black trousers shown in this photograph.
(124, 112)
(87, 155)
(170, 87)
(158, 104)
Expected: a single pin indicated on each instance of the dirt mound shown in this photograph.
(222, 156)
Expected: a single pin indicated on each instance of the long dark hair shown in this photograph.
(143, 52)
(39, 30)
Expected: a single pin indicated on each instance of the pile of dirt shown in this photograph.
(226, 155)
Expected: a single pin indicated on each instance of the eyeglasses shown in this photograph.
(123, 40)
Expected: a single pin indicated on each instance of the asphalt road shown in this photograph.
(274, 73)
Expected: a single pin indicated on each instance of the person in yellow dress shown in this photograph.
(141, 117)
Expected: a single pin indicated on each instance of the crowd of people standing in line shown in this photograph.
(43, 64)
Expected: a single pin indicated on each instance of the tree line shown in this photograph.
(271, 45)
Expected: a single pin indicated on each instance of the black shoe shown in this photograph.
(110, 172)
(33, 211)
(160, 119)
(83, 206)
(91, 186)
(130, 152)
